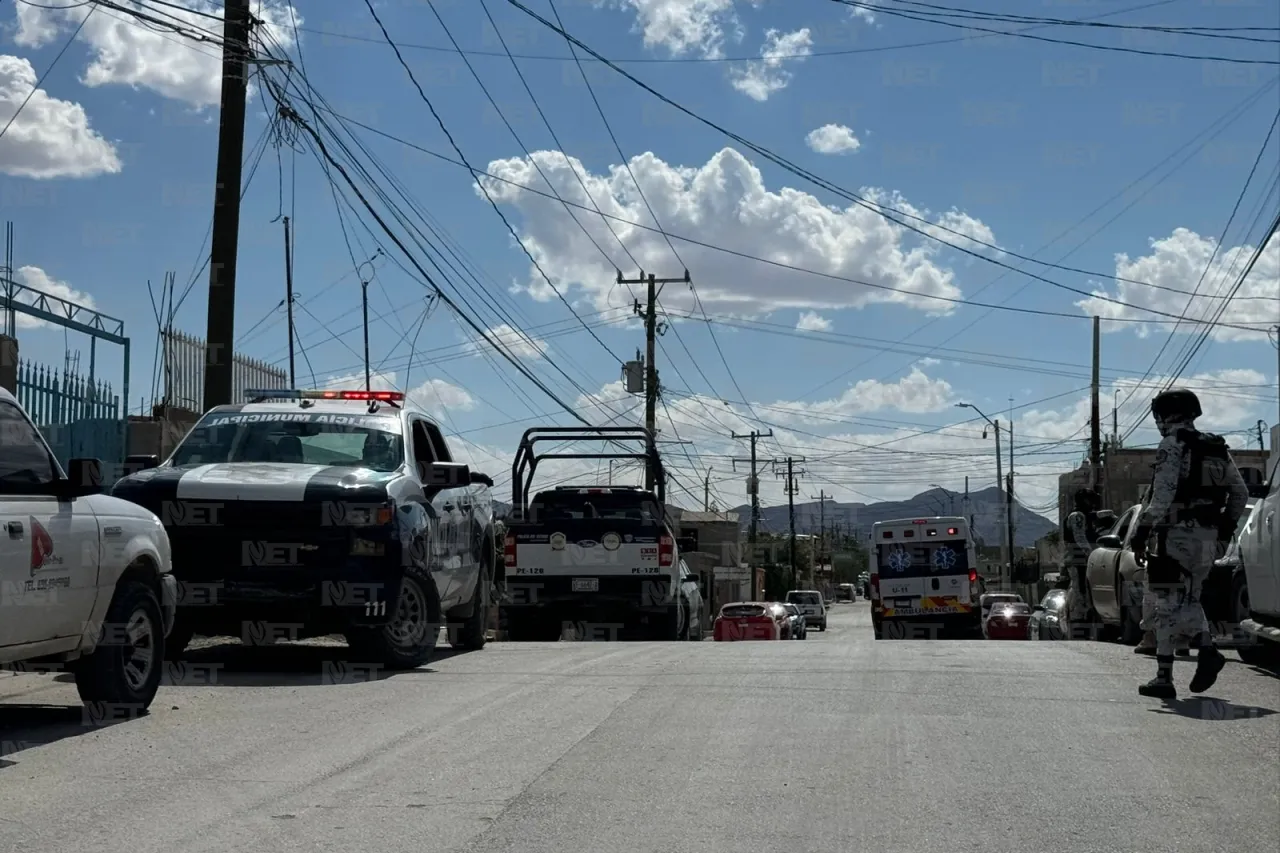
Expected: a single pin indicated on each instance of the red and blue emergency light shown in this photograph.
(295, 394)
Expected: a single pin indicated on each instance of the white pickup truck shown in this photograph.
(85, 579)
(1259, 555)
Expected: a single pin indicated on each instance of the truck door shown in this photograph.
(48, 548)
(442, 506)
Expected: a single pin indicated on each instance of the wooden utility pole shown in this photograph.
(1261, 446)
(364, 304)
(224, 245)
(822, 524)
(706, 492)
(649, 312)
(1004, 495)
(1095, 423)
(288, 293)
(753, 489)
(792, 488)
(1008, 504)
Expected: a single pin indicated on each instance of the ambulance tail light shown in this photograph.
(666, 551)
(973, 584)
(875, 587)
(509, 551)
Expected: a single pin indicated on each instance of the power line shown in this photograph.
(35, 87)
(767, 261)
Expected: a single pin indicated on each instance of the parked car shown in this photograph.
(1048, 618)
(746, 620)
(797, 623)
(1009, 621)
(988, 600)
(85, 579)
(1259, 553)
(812, 605)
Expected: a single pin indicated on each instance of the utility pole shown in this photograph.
(753, 489)
(706, 492)
(1261, 446)
(1008, 519)
(967, 511)
(649, 312)
(1004, 495)
(224, 245)
(822, 525)
(364, 303)
(791, 505)
(1095, 426)
(288, 294)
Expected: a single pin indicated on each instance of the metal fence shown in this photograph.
(79, 417)
(56, 397)
(183, 377)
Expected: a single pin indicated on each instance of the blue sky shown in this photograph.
(1009, 141)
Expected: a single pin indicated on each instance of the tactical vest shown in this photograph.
(1197, 500)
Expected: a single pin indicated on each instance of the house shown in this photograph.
(715, 555)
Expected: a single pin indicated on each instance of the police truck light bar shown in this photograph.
(294, 394)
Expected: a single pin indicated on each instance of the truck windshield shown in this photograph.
(312, 438)
(601, 506)
(923, 560)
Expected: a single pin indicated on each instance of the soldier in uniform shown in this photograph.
(1197, 497)
(1079, 538)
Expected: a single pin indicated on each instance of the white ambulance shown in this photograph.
(924, 579)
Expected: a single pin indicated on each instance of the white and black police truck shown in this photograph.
(603, 557)
(309, 513)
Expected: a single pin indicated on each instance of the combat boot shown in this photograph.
(1161, 687)
(1209, 662)
(1147, 645)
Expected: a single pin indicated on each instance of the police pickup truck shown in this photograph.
(599, 555)
(308, 513)
(84, 577)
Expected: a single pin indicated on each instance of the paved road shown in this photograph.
(837, 743)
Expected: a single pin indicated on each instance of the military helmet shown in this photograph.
(1176, 403)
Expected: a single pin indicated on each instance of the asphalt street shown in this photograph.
(837, 743)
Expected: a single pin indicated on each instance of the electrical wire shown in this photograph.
(35, 87)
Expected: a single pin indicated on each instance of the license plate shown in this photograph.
(902, 604)
(586, 584)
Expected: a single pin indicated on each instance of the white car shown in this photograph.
(85, 578)
(811, 605)
(1259, 552)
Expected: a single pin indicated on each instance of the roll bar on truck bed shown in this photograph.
(526, 460)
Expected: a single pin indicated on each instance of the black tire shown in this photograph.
(823, 627)
(684, 615)
(475, 630)
(668, 626)
(115, 674)
(410, 639)
(1261, 653)
(179, 638)
(1130, 630)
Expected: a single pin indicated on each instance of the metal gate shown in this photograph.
(77, 417)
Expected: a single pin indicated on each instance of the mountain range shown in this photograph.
(985, 507)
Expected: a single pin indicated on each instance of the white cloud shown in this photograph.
(928, 362)
(126, 53)
(684, 26)
(915, 393)
(36, 278)
(514, 341)
(50, 138)
(1179, 261)
(812, 321)
(437, 397)
(758, 80)
(863, 13)
(723, 203)
(833, 139)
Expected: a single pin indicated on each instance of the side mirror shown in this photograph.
(84, 477)
(140, 462)
(444, 475)
(481, 479)
(1109, 541)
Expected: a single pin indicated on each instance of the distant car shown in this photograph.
(1009, 621)
(747, 620)
(1048, 620)
(811, 605)
(798, 630)
(990, 599)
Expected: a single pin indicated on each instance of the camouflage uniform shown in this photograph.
(1197, 497)
(1078, 548)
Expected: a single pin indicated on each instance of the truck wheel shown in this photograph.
(1262, 653)
(475, 630)
(409, 639)
(125, 669)
(668, 627)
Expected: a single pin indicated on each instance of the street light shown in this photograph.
(1007, 545)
